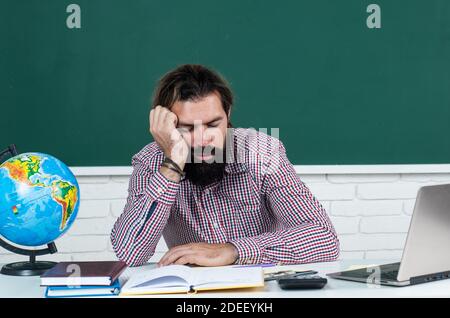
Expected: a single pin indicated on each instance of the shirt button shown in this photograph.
(160, 190)
(216, 226)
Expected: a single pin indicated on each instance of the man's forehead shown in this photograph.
(205, 110)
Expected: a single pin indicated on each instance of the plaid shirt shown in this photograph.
(261, 207)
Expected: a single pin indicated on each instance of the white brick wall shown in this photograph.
(371, 213)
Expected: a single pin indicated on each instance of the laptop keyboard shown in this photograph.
(386, 272)
(389, 275)
(389, 271)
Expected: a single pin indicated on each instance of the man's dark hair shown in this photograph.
(191, 82)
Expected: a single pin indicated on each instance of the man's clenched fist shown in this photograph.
(163, 125)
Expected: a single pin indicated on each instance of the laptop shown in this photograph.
(426, 254)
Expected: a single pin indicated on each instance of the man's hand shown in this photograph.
(202, 254)
(163, 125)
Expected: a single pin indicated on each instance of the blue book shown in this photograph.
(83, 291)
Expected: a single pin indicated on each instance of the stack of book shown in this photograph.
(78, 279)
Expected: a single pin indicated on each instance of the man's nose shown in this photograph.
(201, 137)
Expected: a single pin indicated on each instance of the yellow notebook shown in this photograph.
(185, 279)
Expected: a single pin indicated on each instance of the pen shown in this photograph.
(255, 265)
(287, 274)
(304, 273)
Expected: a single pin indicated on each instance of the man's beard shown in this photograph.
(206, 172)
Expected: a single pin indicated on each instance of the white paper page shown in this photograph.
(160, 290)
(227, 276)
(167, 276)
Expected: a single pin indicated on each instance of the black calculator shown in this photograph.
(302, 282)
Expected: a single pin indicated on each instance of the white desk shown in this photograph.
(29, 286)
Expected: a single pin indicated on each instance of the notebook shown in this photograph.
(82, 291)
(83, 273)
(185, 279)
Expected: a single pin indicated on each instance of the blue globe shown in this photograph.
(39, 199)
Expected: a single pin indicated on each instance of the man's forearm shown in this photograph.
(139, 228)
(300, 244)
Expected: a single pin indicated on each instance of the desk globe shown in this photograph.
(39, 200)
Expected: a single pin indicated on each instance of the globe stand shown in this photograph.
(31, 267)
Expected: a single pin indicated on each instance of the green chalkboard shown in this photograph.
(339, 91)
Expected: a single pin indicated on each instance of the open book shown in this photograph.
(184, 279)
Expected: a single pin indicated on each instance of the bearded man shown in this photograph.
(219, 195)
